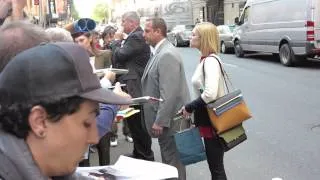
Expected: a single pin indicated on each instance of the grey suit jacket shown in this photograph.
(164, 77)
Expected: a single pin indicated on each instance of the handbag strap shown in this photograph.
(225, 76)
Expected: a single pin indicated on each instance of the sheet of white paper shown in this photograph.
(146, 170)
(127, 168)
(92, 63)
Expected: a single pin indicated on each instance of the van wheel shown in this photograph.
(223, 48)
(238, 49)
(286, 55)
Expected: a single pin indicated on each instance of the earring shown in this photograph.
(42, 134)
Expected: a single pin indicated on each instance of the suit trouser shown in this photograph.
(170, 154)
(215, 152)
(103, 148)
(141, 139)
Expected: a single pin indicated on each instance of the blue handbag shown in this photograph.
(190, 146)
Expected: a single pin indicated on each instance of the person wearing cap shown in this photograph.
(85, 37)
(48, 112)
(99, 59)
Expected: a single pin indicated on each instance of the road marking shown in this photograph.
(230, 65)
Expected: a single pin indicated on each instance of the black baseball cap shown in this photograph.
(53, 71)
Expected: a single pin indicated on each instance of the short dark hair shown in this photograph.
(109, 30)
(159, 23)
(131, 15)
(18, 36)
(14, 117)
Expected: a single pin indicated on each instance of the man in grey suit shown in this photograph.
(164, 78)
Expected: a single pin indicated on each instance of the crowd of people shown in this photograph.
(53, 108)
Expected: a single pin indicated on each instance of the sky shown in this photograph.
(85, 7)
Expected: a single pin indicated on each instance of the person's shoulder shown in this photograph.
(137, 34)
(212, 61)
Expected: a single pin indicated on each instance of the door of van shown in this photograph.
(242, 30)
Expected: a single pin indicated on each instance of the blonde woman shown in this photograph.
(208, 84)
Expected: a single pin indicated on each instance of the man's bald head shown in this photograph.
(18, 36)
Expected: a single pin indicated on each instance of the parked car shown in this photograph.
(180, 35)
(226, 35)
(290, 28)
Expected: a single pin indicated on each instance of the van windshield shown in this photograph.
(231, 28)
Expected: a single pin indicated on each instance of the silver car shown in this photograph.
(180, 35)
(226, 35)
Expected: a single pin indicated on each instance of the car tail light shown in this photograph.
(310, 31)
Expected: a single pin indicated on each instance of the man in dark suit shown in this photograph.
(133, 54)
(164, 78)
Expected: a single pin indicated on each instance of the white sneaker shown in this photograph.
(114, 142)
(129, 139)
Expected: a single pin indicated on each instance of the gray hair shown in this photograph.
(132, 16)
(57, 34)
(18, 36)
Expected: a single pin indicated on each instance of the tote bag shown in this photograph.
(229, 110)
(190, 146)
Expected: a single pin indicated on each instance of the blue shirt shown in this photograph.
(106, 117)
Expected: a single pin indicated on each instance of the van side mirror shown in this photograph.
(236, 20)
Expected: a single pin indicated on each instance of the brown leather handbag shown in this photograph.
(229, 110)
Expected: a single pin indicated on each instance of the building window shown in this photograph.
(232, 5)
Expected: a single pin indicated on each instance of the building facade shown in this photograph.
(46, 11)
(232, 9)
(199, 11)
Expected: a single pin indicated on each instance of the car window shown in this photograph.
(189, 27)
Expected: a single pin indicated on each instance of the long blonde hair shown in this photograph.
(209, 38)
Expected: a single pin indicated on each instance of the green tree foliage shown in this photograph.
(74, 12)
(101, 12)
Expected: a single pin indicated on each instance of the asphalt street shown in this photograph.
(283, 135)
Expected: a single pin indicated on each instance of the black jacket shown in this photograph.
(133, 55)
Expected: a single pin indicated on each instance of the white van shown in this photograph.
(290, 28)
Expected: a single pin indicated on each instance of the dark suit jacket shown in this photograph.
(132, 55)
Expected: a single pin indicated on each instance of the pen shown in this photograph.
(121, 85)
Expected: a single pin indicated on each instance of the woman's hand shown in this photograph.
(185, 114)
